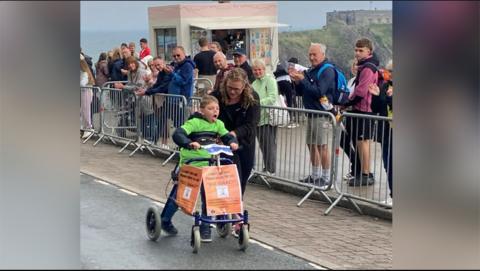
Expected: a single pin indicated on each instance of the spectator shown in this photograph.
(240, 60)
(102, 70)
(131, 47)
(294, 60)
(126, 53)
(285, 88)
(215, 46)
(123, 46)
(136, 83)
(181, 83)
(361, 98)
(145, 50)
(266, 88)
(161, 86)
(240, 111)
(117, 66)
(220, 61)
(318, 127)
(202, 128)
(347, 140)
(89, 61)
(384, 131)
(86, 82)
(154, 70)
(204, 63)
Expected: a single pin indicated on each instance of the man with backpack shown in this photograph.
(315, 88)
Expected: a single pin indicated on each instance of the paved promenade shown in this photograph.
(342, 240)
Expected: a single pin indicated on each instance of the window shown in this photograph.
(166, 41)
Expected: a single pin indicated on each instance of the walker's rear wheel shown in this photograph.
(153, 224)
(243, 237)
(195, 241)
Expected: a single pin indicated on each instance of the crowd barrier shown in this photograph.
(282, 152)
(201, 86)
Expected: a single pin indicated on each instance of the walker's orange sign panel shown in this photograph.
(189, 181)
(222, 190)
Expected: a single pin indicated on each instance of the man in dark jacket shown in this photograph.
(240, 60)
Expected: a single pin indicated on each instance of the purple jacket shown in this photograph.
(367, 77)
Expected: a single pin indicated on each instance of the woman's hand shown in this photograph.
(234, 146)
(390, 91)
(373, 89)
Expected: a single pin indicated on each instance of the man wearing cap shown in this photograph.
(240, 60)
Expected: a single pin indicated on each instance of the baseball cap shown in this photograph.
(239, 51)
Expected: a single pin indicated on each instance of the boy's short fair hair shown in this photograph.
(364, 43)
(207, 99)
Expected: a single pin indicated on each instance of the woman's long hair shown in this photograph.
(84, 68)
(238, 74)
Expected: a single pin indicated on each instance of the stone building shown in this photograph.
(360, 17)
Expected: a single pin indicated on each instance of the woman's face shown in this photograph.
(132, 66)
(235, 89)
(258, 72)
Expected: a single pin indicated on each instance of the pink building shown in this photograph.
(250, 26)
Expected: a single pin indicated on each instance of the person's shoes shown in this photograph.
(206, 235)
(322, 182)
(292, 125)
(87, 134)
(389, 201)
(364, 180)
(169, 228)
(309, 179)
(348, 177)
(236, 229)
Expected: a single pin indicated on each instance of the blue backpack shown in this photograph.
(340, 94)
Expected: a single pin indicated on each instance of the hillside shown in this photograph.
(340, 40)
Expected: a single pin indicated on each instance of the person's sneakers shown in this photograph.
(364, 180)
(169, 228)
(322, 182)
(87, 134)
(206, 235)
(236, 229)
(292, 125)
(309, 179)
(348, 177)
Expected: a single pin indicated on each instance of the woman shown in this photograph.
(136, 83)
(102, 72)
(266, 87)
(240, 112)
(86, 83)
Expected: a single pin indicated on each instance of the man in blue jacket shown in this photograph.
(181, 83)
(313, 88)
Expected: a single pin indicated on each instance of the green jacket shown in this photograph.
(267, 90)
(198, 129)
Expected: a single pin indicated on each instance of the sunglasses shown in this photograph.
(175, 55)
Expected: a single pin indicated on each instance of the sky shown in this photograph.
(126, 15)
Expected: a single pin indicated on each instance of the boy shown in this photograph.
(202, 128)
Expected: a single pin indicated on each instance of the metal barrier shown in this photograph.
(194, 103)
(89, 111)
(347, 160)
(282, 152)
(158, 123)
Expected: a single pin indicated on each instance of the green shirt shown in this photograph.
(267, 90)
(197, 125)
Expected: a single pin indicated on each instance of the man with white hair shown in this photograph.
(220, 62)
(315, 87)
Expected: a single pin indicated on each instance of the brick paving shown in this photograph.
(341, 240)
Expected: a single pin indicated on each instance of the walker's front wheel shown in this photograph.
(243, 237)
(195, 241)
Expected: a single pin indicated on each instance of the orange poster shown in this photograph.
(222, 190)
(189, 181)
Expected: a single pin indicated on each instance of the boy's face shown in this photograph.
(362, 53)
(210, 111)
